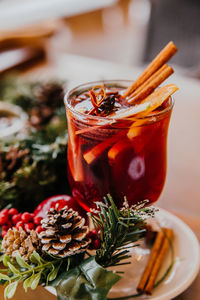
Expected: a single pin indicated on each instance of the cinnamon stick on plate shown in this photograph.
(165, 54)
(165, 246)
(154, 253)
(158, 252)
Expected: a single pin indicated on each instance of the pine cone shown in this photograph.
(50, 94)
(11, 160)
(18, 241)
(65, 233)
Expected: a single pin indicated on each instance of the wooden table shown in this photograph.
(181, 192)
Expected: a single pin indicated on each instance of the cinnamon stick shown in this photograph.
(154, 254)
(165, 54)
(152, 83)
(165, 246)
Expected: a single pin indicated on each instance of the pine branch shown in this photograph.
(118, 229)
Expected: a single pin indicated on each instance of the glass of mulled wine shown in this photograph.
(122, 157)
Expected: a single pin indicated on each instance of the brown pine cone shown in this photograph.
(11, 160)
(65, 233)
(50, 94)
(18, 241)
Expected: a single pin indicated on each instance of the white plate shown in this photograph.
(186, 267)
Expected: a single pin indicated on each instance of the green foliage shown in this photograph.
(44, 168)
(119, 228)
(31, 274)
(88, 281)
(19, 93)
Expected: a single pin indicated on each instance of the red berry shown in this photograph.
(94, 232)
(4, 228)
(29, 226)
(3, 233)
(39, 229)
(96, 244)
(26, 217)
(37, 220)
(10, 224)
(12, 211)
(4, 211)
(3, 219)
(16, 218)
(90, 235)
(20, 224)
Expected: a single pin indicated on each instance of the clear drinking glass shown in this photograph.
(123, 158)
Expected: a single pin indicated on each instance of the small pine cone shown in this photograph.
(65, 233)
(50, 94)
(18, 241)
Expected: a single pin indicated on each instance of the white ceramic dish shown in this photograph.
(185, 269)
(20, 118)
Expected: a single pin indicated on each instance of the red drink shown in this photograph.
(115, 156)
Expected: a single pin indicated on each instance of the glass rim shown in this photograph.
(98, 82)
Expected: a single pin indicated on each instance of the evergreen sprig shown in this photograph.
(119, 229)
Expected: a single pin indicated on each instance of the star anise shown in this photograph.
(107, 105)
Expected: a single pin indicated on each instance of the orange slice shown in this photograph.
(74, 162)
(130, 111)
(156, 99)
(97, 150)
(117, 148)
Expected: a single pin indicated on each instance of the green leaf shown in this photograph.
(10, 290)
(36, 280)
(89, 281)
(1, 257)
(13, 269)
(21, 262)
(27, 283)
(4, 277)
(53, 274)
(35, 258)
(6, 259)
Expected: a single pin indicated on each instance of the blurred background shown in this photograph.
(124, 31)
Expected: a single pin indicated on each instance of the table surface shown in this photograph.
(181, 192)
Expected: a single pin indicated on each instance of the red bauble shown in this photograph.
(62, 201)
